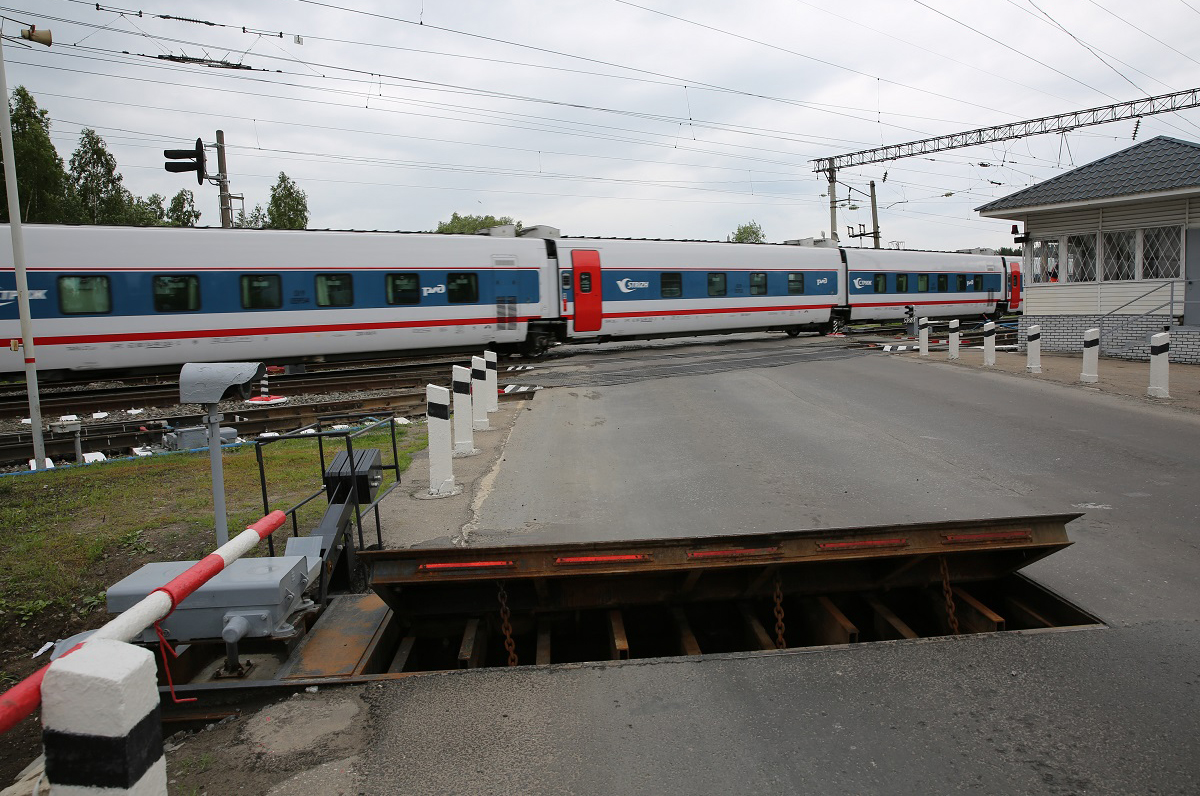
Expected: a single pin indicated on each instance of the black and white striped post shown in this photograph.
(1160, 346)
(1090, 374)
(493, 395)
(1033, 350)
(101, 728)
(923, 336)
(954, 339)
(989, 345)
(479, 416)
(464, 437)
(441, 461)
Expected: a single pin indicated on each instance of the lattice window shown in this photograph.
(1119, 255)
(1162, 252)
(1045, 261)
(1081, 258)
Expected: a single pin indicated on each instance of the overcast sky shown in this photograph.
(653, 119)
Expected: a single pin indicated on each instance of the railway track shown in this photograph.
(83, 401)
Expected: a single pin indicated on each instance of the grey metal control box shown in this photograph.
(265, 591)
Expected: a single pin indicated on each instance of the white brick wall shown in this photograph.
(1132, 341)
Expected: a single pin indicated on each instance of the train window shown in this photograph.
(585, 281)
(901, 283)
(176, 293)
(796, 284)
(672, 285)
(462, 288)
(922, 283)
(83, 295)
(566, 280)
(880, 283)
(961, 279)
(262, 292)
(404, 288)
(716, 284)
(978, 282)
(943, 283)
(758, 284)
(335, 290)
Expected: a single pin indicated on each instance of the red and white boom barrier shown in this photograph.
(100, 724)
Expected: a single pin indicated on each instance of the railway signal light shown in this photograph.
(196, 156)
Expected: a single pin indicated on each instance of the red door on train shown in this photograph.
(1014, 300)
(589, 310)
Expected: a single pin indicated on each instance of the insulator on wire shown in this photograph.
(1136, 125)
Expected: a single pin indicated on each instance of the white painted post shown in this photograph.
(493, 396)
(101, 728)
(464, 437)
(923, 336)
(1091, 357)
(478, 393)
(441, 462)
(989, 344)
(954, 339)
(1033, 359)
(1160, 345)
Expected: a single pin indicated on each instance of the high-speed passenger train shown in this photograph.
(131, 299)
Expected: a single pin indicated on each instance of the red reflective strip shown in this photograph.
(862, 544)
(745, 551)
(269, 330)
(29, 360)
(464, 565)
(602, 559)
(995, 536)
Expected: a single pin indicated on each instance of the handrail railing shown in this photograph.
(1168, 303)
(23, 698)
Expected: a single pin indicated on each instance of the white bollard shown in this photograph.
(989, 344)
(441, 462)
(923, 336)
(1091, 357)
(493, 396)
(464, 437)
(478, 393)
(1033, 359)
(954, 339)
(101, 728)
(1160, 345)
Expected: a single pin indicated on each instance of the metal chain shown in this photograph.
(780, 643)
(948, 595)
(506, 626)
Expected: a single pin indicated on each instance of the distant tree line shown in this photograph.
(90, 190)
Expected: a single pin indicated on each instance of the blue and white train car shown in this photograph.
(614, 289)
(112, 298)
(883, 283)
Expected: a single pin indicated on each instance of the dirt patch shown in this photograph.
(315, 734)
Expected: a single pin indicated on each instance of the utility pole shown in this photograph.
(223, 182)
(18, 248)
(874, 215)
(832, 172)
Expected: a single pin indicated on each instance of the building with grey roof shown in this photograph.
(1109, 245)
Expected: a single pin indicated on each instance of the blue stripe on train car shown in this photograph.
(621, 284)
(220, 291)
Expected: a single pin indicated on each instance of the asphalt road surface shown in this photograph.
(832, 438)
